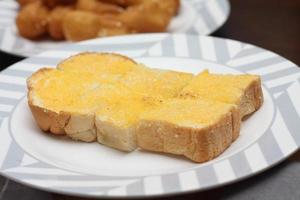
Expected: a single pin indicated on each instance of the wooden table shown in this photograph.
(271, 24)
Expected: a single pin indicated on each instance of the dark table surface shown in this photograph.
(271, 24)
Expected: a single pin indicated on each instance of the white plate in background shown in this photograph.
(196, 16)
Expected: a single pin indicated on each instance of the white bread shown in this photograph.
(79, 120)
(79, 126)
(58, 122)
(116, 120)
(141, 90)
(198, 140)
(114, 103)
(156, 82)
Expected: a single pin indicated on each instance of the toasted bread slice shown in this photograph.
(54, 94)
(243, 90)
(197, 129)
(55, 107)
(119, 103)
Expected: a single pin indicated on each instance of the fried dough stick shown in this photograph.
(32, 20)
(55, 20)
(171, 5)
(25, 2)
(98, 7)
(82, 25)
(53, 3)
(151, 16)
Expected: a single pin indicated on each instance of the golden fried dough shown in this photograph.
(32, 20)
(126, 3)
(170, 6)
(25, 2)
(136, 2)
(98, 7)
(81, 25)
(113, 31)
(150, 16)
(173, 5)
(111, 26)
(116, 2)
(54, 3)
(77, 20)
(55, 21)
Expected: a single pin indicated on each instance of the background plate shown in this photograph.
(196, 16)
(69, 167)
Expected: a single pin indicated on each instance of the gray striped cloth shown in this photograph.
(281, 182)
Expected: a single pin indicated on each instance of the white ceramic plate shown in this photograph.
(196, 16)
(60, 165)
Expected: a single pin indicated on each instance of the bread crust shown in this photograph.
(111, 135)
(48, 120)
(249, 102)
(199, 144)
(94, 53)
(77, 127)
(252, 98)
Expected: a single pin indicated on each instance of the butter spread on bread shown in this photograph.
(111, 99)
(197, 129)
(243, 90)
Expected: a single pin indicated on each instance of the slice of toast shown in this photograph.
(53, 97)
(74, 91)
(143, 90)
(197, 129)
(53, 94)
(243, 90)
(124, 105)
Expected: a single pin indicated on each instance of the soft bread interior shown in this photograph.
(117, 116)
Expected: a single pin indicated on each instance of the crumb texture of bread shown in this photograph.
(197, 129)
(118, 113)
(111, 99)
